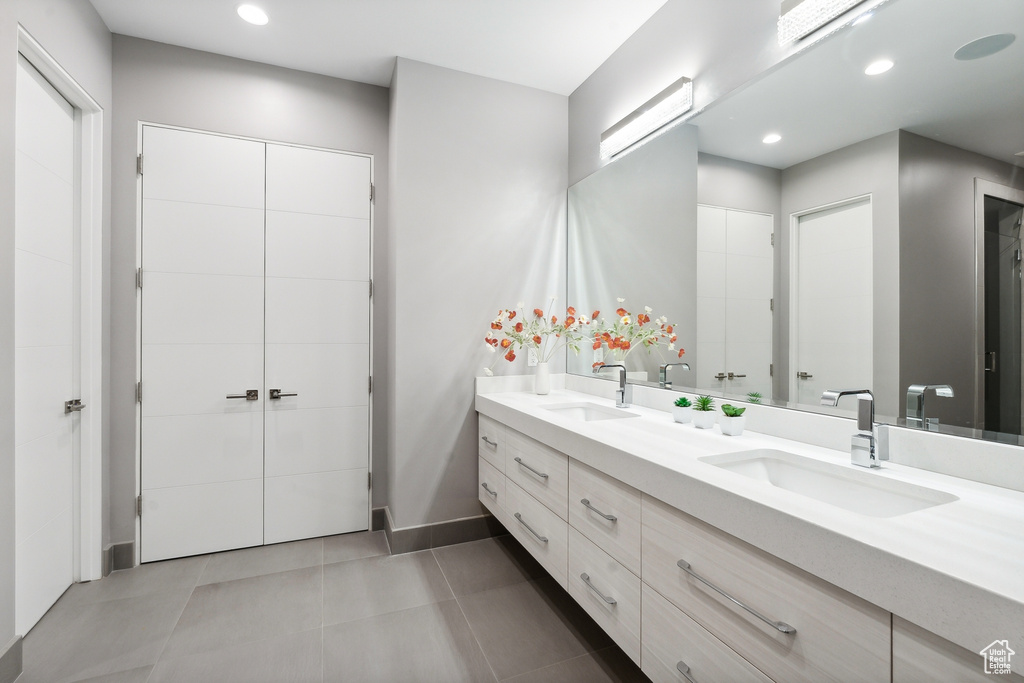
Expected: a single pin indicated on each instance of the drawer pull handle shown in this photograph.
(610, 518)
(539, 474)
(586, 580)
(488, 489)
(492, 444)
(685, 670)
(542, 539)
(777, 625)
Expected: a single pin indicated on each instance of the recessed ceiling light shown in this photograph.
(771, 138)
(879, 67)
(862, 18)
(253, 14)
(983, 47)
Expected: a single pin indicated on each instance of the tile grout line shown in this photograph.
(163, 649)
(463, 613)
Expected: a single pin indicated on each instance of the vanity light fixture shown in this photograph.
(879, 67)
(253, 14)
(655, 113)
(801, 17)
(771, 138)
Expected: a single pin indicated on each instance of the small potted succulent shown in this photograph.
(704, 412)
(731, 421)
(754, 397)
(682, 411)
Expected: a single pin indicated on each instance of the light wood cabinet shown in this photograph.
(609, 592)
(920, 656)
(492, 488)
(837, 637)
(593, 497)
(539, 470)
(539, 530)
(491, 446)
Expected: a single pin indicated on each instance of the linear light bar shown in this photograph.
(663, 108)
(801, 17)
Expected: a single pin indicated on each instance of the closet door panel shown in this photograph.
(316, 504)
(202, 239)
(194, 379)
(342, 253)
(196, 449)
(203, 309)
(317, 311)
(319, 182)
(316, 440)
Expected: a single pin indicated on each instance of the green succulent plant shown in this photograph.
(754, 397)
(704, 404)
(683, 402)
(732, 411)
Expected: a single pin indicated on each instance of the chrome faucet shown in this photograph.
(867, 448)
(663, 380)
(625, 393)
(915, 404)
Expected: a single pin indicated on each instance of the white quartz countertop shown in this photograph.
(956, 569)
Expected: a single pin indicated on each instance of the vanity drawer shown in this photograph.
(620, 620)
(839, 637)
(920, 656)
(492, 488)
(538, 529)
(491, 446)
(606, 496)
(675, 642)
(539, 470)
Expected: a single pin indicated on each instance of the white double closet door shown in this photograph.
(255, 284)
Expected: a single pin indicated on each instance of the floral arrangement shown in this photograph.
(629, 332)
(539, 330)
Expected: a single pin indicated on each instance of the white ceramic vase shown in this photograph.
(542, 379)
(731, 426)
(704, 419)
(682, 414)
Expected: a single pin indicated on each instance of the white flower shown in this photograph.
(671, 347)
(625, 320)
(664, 320)
(621, 300)
(582, 320)
(647, 309)
(488, 372)
(520, 304)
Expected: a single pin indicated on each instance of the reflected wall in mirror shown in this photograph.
(895, 203)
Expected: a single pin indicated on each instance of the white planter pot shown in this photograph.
(704, 419)
(681, 414)
(732, 426)
(542, 379)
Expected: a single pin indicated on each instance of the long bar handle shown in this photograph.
(276, 394)
(682, 668)
(586, 503)
(488, 489)
(542, 539)
(489, 442)
(780, 626)
(249, 395)
(586, 580)
(537, 472)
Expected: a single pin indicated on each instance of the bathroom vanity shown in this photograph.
(716, 558)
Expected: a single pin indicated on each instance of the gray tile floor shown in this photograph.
(334, 609)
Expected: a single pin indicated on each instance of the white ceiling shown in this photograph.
(552, 45)
(821, 100)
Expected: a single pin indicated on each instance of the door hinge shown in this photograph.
(369, 480)
(138, 505)
(771, 304)
(373, 193)
(138, 391)
(138, 277)
(771, 369)
(371, 288)
(138, 165)
(773, 239)
(369, 385)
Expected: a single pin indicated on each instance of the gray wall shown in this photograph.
(164, 84)
(74, 35)
(937, 267)
(868, 167)
(477, 224)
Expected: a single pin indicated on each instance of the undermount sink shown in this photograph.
(862, 492)
(589, 412)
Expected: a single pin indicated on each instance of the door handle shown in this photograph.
(249, 395)
(276, 394)
(720, 375)
(734, 376)
(804, 375)
(74, 406)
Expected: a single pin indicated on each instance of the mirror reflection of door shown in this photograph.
(832, 301)
(735, 261)
(1002, 329)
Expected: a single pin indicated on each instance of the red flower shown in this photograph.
(597, 364)
(519, 327)
(643, 318)
(669, 329)
(625, 345)
(593, 316)
(673, 338)
(505, 343)
(495, 326)
(539, 313)
(511, 315)
(597, 345)
(570, 311)
(554, 320)
(622, 311)
(681, 352)
(510, 356)
(569, 321)
(537, 339)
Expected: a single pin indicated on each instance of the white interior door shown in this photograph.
(318, 343)
(45, 342)
(202, 342)
(833, 297)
